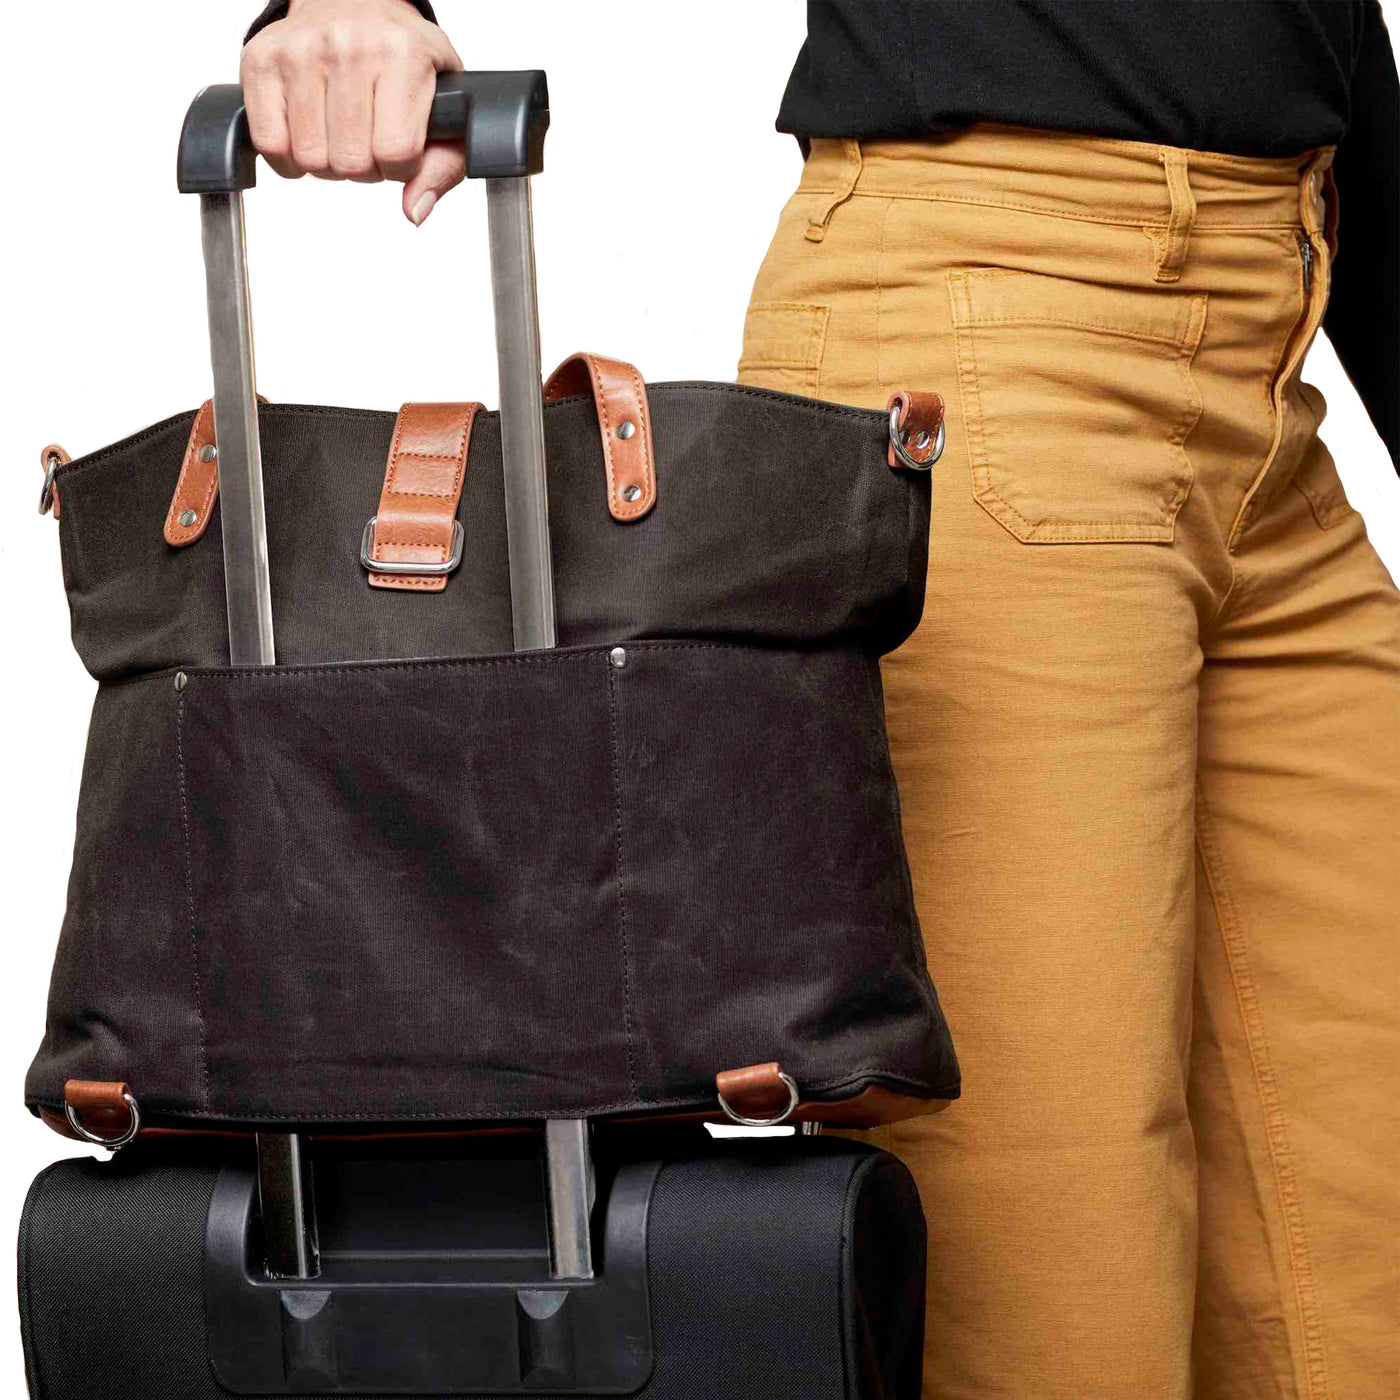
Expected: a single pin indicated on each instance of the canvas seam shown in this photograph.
(923, 1090)
(320, 670)
(201, 1040)
(1266, 1085)
(623, 942)
(776, 397)
(880, 300)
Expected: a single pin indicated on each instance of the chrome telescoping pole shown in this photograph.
(512, 238)
(568, 1162)
(284, 1163)
(246, 574)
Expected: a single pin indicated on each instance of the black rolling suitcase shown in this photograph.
(755, 1270)
(242, 1246)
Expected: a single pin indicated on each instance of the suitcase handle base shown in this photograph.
(435, 1279)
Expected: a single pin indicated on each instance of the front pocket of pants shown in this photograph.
(1077, 403)
(783, 344)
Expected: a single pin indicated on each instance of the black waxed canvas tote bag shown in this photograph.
(415, 871)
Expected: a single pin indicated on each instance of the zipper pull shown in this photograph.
(1305, 252)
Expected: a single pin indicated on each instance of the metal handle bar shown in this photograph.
(501, 117)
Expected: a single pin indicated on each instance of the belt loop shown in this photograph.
(824, 207)
(1172, 245)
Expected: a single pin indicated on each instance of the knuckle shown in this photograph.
(259, 58)
(274, 145)
(397, 150)
(299, 52)
(350, 164)
(312, 158)
(343, 43)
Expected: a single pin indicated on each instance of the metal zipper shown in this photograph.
(1305, 252)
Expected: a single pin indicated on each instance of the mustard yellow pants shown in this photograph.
(1148, 745)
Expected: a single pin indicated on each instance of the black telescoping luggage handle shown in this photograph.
(501, 117)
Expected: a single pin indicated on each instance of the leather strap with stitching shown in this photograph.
(624, 423)
(422, 487)
(197, 487)
(51, 451)
(99, 1104)
(755, 1091)
(920, 415)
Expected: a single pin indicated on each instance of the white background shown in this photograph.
(663, 182)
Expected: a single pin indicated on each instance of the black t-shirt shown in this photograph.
(1246, 77)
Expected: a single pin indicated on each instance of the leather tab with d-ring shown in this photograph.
(106, 1103)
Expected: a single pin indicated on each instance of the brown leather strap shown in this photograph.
(920, 417)
(755, 1091)
(624, 422)
(46, 459)
(100, 1105)
(197, 487)
(422, 486)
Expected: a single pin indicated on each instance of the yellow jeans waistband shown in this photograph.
(1079, 177)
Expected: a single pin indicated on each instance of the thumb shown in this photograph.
(444, 165)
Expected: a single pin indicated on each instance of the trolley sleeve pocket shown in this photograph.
(783, 344)
(1077, 403)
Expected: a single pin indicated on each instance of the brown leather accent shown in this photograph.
(422, 486)
(51, 1118)
(918, 413)
(100, 1105)
(620, 397)
(197, 487)
(870, 1108)
(53, 450)
(756, 1091)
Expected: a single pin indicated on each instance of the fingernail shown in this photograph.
(424, 207)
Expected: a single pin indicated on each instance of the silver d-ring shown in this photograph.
(793, 1097)
(110, 1143)
(898, 438)
(46, 491)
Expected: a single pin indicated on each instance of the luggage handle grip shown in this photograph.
(501, 117)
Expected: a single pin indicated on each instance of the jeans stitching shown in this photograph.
(1051, 529)
(1125, 220)
(880, 300)
(1266, 1083)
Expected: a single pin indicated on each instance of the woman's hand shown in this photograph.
(341, 89)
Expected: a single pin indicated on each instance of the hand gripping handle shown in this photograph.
(501, 117)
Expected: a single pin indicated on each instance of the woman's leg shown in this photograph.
(1109, 410)
(1295, 1078)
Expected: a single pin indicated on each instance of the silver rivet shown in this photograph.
(626, 428)
(181, 680)
(208, 452)
(188, 517)
(631, 493)
(618, 657)
(922, 441)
